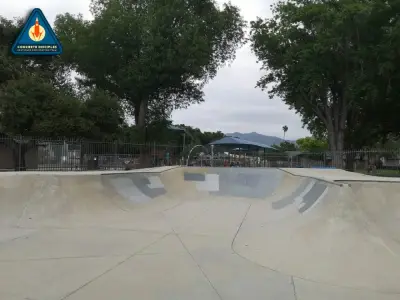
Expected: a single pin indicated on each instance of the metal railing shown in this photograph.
(373, 161)
(44, 154)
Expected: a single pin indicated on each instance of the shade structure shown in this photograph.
(229, 141)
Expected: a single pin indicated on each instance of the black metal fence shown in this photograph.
(374, 161)
(41, 154)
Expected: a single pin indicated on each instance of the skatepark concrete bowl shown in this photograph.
(199, 233)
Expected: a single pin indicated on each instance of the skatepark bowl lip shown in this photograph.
(281, 233)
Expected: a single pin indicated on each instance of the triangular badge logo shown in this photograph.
(37, 37)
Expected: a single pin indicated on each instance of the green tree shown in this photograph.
(155, 55)
(104, 113)
(39, 98)
(329, 60)
(207, 137)
(311, 144)
(285, 129)
(36, 95)
(285, 146)
(32, 107)
(13, 67)
(197, 137)
(10, 68)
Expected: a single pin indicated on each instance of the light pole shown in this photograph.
(212, 156)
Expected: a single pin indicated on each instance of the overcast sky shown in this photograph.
(232, 101)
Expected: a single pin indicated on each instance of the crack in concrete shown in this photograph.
(113, 267)
(299, 277)
(294, 287)
(199, 266)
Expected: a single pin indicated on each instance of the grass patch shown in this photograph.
(382, 172)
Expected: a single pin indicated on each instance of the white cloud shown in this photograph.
(232, 101)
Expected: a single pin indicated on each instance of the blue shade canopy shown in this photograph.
(235, 142)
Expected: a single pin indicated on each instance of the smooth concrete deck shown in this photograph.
(198, 233)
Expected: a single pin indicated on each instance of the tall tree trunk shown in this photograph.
(339, 149)
(142, 113)
(140, 121)
(336, 146)
(336, 116)
(136, 110)
(336, 142)
(350, 153)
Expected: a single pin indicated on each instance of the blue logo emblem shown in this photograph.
(37, 37)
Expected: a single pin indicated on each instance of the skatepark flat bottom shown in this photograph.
(198, 233)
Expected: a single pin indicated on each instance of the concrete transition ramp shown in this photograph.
(199, 233)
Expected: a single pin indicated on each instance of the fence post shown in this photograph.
(154, 159)
(115, 158)
(264, 158)
(64, 155)
(212, 156)
(80, 155)
(19, 152)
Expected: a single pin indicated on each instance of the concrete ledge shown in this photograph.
(336, 176)
(320, 178)
(85, 173)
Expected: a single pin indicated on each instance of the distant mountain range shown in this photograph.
(258, 138)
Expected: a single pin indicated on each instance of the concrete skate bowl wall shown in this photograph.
(331, 239)
(307, 194)
(235, 182)
(258, 184)
(31, 197)
(74, 199)
(136, 187)
(381, 204)
(54, 198)
(50, 199)
(26, 197)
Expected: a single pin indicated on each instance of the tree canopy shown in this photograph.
(285, 146)
(311, 144)
(153, 55)
(137, 60)
(334, 62)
